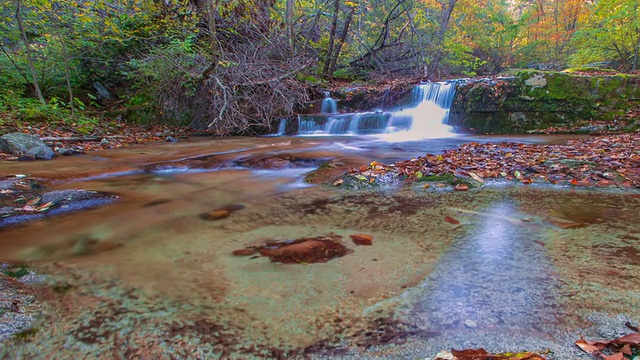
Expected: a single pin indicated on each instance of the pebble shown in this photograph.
(470, 323)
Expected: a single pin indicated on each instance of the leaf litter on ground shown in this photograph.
(624, 347)
(612, 160)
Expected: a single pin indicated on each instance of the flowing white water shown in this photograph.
(329, 105)
(428, 115)
(424, 117)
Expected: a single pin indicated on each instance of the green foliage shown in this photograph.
(168, 57)
(611, 33)
(18, 110)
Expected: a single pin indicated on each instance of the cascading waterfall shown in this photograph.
(282, 126)
(428, 113)
(329, 105)
(424, 117)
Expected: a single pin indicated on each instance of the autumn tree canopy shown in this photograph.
(235, 65)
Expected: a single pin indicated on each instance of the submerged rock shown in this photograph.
(300, 251)
(24, 200)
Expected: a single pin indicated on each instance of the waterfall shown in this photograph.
(329, 105)
(424, 117)
(282, 126)
(427, 114)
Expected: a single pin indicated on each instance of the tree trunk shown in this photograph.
(445, 17)
(32, 67)
(332, 37)
(67, 70)
(208, 10)
(67, 73)
(637, 42)
(343, 38)
(289, 20)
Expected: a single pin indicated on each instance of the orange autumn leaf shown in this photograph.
(451, 220)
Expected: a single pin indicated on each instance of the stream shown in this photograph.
(148, 276)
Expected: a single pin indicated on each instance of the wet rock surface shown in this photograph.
(24, 199)
(27, 146)
(258, 162)
(300, 251)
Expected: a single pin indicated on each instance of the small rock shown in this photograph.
(41, 152)
(470, 323)
(104, 141)
(171, 139)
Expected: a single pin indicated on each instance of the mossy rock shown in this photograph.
(535, 100)
(449, 179)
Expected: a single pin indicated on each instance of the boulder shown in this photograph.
(21, 144)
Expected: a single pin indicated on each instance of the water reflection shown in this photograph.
(496, 278)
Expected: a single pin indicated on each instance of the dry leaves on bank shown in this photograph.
(621, 348)
(482, 354)
(595, 161)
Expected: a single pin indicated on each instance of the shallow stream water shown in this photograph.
(147, 276)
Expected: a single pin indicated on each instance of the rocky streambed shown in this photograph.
(506, 266)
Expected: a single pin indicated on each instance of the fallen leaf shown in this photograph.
(361, 239)
(616, 356)
(34, 201)
(216, 214)
(426, 186)
(590, 347)
(451, 220)
(471, 354)
(44, 207)
(338, 182)
(461, 187)
(245, 252)
(476, 177)
(632, 339)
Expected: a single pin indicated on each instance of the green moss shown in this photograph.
(446, 178)
(25, 335)
(16, 272)
(587, 69)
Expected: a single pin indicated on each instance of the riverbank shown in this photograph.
(70, 139)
